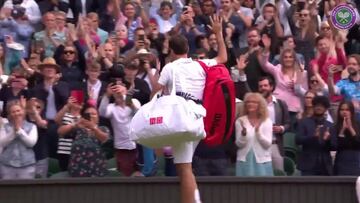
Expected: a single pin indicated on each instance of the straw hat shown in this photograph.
(145, 54)
(16, 46)
(49, 62)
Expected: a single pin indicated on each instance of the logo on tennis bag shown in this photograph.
(219, 102)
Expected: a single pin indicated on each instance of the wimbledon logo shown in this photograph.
(343, 17)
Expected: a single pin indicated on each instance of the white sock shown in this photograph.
(357, 189)
(197, 196)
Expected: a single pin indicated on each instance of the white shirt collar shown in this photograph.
(96, 85)
(274, 99)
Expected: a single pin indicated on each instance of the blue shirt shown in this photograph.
(49, 46)
(349, 89)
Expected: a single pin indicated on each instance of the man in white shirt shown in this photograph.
(279, 115)
(192, 77)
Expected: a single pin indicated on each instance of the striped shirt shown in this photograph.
(65, 143)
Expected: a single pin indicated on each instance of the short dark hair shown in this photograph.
(179, 44)
(270, 79)
(284, 39)
(166, 3)
(138, 29)
(321, 100)
(131, 66)
(93, 65)
(270, 5)
(254, 29)
(212, 2)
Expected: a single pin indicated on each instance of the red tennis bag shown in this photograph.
(219, 102)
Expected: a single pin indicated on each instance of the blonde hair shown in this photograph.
(60, 13)
(47, 14)
(93, 65)
(263, 113)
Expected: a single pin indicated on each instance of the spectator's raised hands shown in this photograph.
(313, 7)
(109, 90)
(184, 16)
(340, 38)
(326, 135)
(241, 62)
(119, 89)
(71, 102)
(334, 68)
(22, 101)
(33, 106)
(9, 39)
(243, 129)
(71, 33)
(223, 15)
(317, 131)
(101, 51)
(216, 24)
(80, 27)
(137, 2)
(266, 40)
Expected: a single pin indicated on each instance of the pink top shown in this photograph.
(284, 90)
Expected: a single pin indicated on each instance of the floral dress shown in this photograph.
(87, 157)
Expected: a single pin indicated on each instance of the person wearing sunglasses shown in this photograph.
(304, 29)
(316, 85)
(71, 59)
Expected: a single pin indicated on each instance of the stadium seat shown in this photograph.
(161, 166)
(108, 148)
(278, 172)
(53, 167)
(291, 153)
(111, 164)
(63, 174)
(289, 166)
(289, 141)
(112, 168)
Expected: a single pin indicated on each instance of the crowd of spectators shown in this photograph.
(74, 72)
